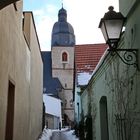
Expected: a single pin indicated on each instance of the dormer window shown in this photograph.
(64, 57)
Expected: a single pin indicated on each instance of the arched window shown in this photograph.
(64, 57)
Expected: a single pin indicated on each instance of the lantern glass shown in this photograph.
(113, 28)
(104, 32)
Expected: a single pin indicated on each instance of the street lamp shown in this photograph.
(111, 26)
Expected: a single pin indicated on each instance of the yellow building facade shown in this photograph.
(21, 75)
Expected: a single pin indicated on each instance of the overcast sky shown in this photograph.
(83, 15)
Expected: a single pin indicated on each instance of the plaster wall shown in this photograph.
(119, 83)
(15, 60)
(84, 103)
(109, 86)
(125, 6)
(13, 63)
(36, 82)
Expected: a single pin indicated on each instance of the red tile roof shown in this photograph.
(87, 56)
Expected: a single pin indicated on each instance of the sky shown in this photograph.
(83, 15)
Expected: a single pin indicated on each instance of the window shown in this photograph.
(64, 57)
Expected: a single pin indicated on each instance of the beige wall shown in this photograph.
(21, 66)
(36, 77)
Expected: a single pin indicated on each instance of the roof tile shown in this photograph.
(87, 56)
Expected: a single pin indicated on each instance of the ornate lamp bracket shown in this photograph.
(128, 56)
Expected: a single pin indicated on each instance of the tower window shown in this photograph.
(64, 57)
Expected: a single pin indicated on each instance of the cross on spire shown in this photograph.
(62, 3)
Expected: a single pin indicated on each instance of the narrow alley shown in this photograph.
(64, 134)
(70, 70)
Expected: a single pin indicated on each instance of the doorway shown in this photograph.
(10, 112)
(104, 118)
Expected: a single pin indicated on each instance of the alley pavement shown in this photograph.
(62, 135)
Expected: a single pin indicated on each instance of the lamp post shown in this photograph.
(111, 26)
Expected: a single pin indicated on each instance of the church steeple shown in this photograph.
(62, 56)
(62, 15)
(62, 32)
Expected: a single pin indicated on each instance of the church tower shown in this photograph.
(62, 49)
